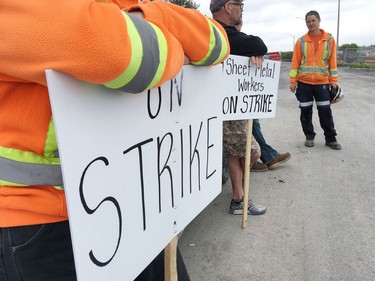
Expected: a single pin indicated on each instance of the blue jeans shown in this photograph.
(44, 253)
(267, 152)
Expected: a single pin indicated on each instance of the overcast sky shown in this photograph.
(280, 22)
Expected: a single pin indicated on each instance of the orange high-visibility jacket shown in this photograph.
(94, 42)
(312, 67)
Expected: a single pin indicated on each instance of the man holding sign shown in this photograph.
(229, 14)
(132, 51)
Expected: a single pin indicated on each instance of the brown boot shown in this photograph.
(280, 159)
(259, 167)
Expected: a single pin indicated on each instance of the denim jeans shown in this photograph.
(44, 253)
(267, 152)
(37, 253)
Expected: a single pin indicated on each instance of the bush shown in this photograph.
(362, 65)
(286, 56)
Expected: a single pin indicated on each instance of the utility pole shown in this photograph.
(338, 25)
(294, 39)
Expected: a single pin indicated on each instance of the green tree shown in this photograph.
(348, 46)
(185, 3)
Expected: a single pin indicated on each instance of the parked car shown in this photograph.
(273, 56)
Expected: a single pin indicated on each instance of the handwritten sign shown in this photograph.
(249, 92)
(139, 168)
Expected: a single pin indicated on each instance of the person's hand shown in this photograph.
(186, 60)
(293, 88)
(258, 60)
(334, 86)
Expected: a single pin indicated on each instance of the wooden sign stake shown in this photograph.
(170, 260)
(247, 173)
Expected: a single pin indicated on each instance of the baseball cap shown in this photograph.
(216, 5)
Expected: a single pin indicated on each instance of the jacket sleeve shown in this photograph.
(243, 44)
(296, 62)
(203, 40)
(332, 63)
(98, 43)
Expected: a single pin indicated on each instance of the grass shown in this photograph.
(362, 65)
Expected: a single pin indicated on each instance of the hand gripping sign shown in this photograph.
(139, 168)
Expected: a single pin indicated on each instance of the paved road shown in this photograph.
(320, 220)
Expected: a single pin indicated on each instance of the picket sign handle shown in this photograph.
(170, 260)
(247, 173)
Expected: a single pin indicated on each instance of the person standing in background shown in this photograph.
(313, 72)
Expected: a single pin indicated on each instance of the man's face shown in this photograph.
(236, 9)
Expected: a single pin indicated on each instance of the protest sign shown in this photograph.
(138, 168)
(249, 92)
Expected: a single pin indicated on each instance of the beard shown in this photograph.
(238, 22)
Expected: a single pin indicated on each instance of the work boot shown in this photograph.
(334, 145)
(259, 167)
(280, 159)
(309, 143)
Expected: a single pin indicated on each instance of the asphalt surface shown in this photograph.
(320, 219)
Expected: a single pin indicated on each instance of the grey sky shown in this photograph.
(279, 23)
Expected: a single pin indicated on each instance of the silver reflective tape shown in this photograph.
(30, 174)
(333, 72)
(306, 104)
(315, 69)
(323, 103)
(215, 52)
(150, 59)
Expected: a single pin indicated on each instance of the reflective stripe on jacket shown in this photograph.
(209, 46)
(148, 60)
(312, 67)
(24, 168)
(217, 47)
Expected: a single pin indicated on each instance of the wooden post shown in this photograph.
(170, 260)
(247, 173)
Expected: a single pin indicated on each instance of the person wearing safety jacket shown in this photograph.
(124, 45)
(313, 72)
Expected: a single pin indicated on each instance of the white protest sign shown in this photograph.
(249, 92)
(138, 168)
